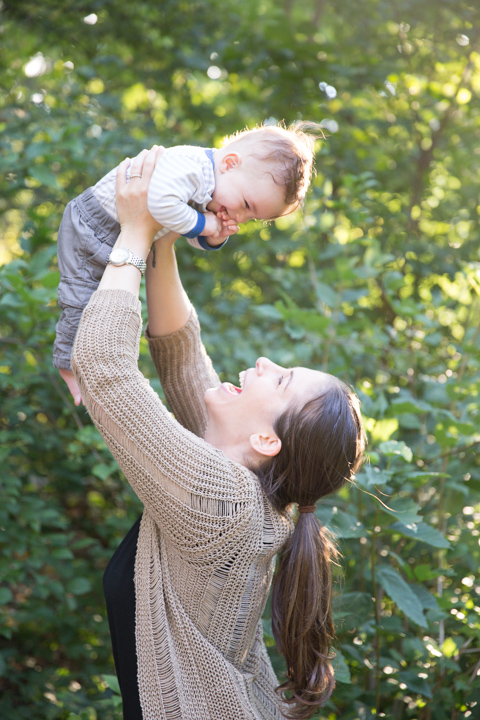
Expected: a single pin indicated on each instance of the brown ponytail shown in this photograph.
(322, 446)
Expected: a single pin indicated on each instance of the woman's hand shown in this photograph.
(137, 226)
(132, 197)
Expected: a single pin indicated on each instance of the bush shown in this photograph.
(376, 281)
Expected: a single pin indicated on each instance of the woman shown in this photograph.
(217, 484)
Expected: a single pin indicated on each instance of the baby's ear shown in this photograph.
(230, 161)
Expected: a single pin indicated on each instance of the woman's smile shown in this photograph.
(231, 389)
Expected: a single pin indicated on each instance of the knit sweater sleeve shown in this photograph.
(199, 497)
(185, 371)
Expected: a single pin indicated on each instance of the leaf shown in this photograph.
(415, 683)
(51, 280)
(371, 476)
(429, 602)
(373, 256)
(394, 447)
(102, 470)
(345, 525)
(44, 176)
(5, 596)
(79, 586)
(383, 429)
(449, 647)
(412, 405)
(324, 513)
(326, 221)
(268, 311)
(422, 531)
(112, 682)
(404, 509)
(340, 668)
(309, 319)
(326, 294)
(10, 300)
(268, 638)
(425, 475)
(401, 593)
(83, 543)
(62, 554)
(425, 572)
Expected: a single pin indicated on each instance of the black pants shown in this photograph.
(119, 591)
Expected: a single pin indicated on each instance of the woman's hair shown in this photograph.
(289, 151)
(322, 447)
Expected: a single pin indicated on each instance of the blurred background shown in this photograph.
(376, 279)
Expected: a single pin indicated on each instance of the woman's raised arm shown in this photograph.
(168, 305)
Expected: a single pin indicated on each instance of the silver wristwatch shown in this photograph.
(124, 256)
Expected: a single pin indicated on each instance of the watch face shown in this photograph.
(119, 256)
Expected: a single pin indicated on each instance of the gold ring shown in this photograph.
(133, 176)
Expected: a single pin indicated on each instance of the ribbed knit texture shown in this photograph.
(208, 537)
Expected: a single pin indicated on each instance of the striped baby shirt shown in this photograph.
(183, 176)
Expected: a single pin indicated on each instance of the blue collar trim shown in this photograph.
(209, 154)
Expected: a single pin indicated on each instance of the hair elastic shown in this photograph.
(307, 508)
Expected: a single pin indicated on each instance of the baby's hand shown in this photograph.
(213, 225)
(69, 378)
(218, 227)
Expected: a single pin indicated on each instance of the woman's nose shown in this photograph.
(260, 365)
(264, 364)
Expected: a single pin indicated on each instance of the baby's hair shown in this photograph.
(290, 151)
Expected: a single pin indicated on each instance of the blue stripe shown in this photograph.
(209, 154)
(199, 225)
(202, 241)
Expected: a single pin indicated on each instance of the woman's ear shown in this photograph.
(267, 445)
(230, 161)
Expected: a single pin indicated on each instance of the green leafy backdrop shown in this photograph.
(377, 280)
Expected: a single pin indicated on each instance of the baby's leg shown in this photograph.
(85, 239)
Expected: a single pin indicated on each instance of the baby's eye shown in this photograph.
(280, 380)
(247, 205)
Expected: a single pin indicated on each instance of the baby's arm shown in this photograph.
(178, 179)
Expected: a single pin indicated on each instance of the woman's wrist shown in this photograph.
(136, 240)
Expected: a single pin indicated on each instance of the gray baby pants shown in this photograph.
(86, 236)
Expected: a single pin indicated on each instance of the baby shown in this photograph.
(199, 193)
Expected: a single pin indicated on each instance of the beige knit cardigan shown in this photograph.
(208, 536)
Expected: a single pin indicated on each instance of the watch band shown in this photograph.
(137, 262)
(123, 256)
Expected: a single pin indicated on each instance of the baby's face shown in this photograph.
(245, 189)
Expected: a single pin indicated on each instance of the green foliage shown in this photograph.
(377, 281)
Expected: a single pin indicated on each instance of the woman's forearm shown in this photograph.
(169, 308)
(138, 227)
(127, 277)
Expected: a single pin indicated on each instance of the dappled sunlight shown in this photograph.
(375, 279)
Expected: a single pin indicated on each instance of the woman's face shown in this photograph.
(266, 391)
